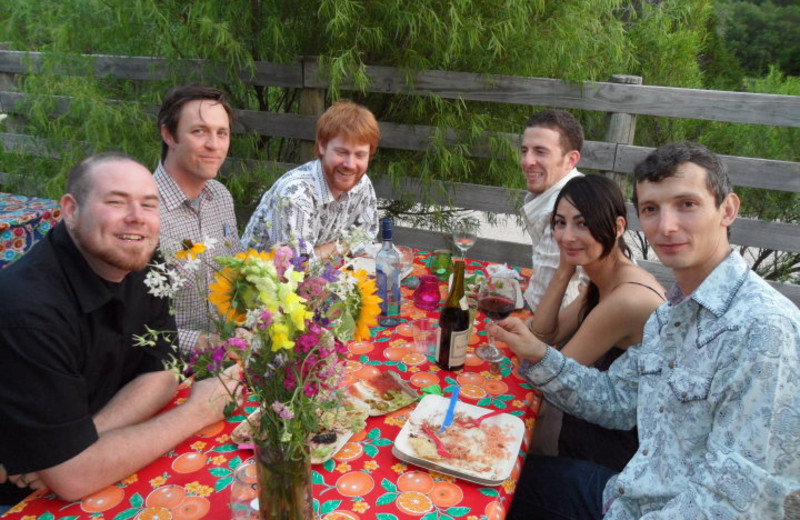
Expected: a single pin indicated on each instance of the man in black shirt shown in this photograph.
(79, 398)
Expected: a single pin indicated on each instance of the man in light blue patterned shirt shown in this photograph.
(316, 203)
(714, 388)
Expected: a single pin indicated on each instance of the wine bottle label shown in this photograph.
(463, 303)
(458, 347)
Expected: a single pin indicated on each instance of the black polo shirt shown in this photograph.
(66, 347)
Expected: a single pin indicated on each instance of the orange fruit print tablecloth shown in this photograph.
(363, 480)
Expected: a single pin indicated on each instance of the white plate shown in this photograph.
(432, 409)
(341, 440)
(367, 261)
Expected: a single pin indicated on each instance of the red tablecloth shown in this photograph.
(23, 221)
(363, 480)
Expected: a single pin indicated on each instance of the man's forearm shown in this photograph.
(138, 400)
(121, 452)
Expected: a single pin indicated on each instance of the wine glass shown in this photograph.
(464, 236)
(496, 299)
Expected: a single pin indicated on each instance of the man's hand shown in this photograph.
(519, 338)
(27, 480)
(213, 394)
(207, 340)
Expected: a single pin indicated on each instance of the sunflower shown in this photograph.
(226, 289)
(370, 305)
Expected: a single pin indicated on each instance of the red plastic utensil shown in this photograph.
(439, 446)
(474, 423)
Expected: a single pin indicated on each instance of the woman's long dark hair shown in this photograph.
(600, 201)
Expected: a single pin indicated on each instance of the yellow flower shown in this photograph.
(371, 465)
(510, 485)
(343, 467)
(224, 290)
(130, 480)
(360, 506)
(190, 250)
(219, 460)
(370, 305)
(198, 446)
(441, 476)
(158, 481)
(399, 468)
(196, 488)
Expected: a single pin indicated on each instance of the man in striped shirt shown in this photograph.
(195, 122)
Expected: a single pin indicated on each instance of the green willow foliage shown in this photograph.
(576, 40)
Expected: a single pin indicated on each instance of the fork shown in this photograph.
(476, 422)
(439, 445)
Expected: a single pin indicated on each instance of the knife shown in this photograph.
(448, 418)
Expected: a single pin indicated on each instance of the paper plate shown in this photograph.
(432, 409)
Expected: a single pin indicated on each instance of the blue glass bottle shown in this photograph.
(387, 274)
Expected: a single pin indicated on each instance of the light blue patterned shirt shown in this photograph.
(715, 391)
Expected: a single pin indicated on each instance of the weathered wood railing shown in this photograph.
(619, 98)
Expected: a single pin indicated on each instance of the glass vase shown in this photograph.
(284, 485)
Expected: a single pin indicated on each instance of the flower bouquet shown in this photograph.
(285, 319)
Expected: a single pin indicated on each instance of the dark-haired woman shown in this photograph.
(589, 220)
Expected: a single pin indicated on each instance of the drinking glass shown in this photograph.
(464, 236)
(496, 299)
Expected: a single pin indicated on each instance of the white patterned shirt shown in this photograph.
(300, 206)
(210, 215)
(536, 212)
(714, 389)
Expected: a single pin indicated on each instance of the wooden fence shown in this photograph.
(622, 99)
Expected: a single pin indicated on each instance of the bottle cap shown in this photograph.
(386, 228)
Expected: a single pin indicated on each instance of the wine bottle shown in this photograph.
(387, 274)
(454, 325)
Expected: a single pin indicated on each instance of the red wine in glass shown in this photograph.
(496, 307)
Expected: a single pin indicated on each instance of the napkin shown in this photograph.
(502, 271)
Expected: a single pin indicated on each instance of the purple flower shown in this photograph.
(331, 274)
(282, 410)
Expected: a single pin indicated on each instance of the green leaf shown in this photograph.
(374, 433)
(222, 483)
(433, 515)
(220, 472)
(386, 498)
(328, 506)
(47, 516)
(370, 450)
(136, 500)
(385, 516)
(486, 401)
(317, 478)
(226, 448)
(329, 465)
(383, 442)
(457, 511)
(124, 515)
(489, 492)
(230, 408)
(388, 485)
(505, 397)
